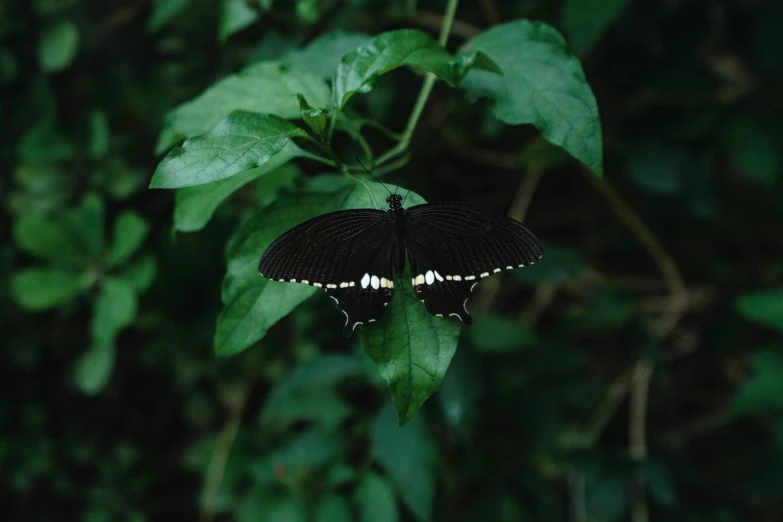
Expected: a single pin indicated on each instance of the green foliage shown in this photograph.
(242, 141)
(112, 310)
(540, 84)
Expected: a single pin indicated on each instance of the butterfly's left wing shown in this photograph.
(452, 246)
(347, 253)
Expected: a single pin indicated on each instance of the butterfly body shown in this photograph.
(352, 255)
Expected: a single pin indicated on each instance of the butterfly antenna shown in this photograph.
(406, 197)
(371, 174)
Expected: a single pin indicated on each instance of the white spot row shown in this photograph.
(430, 276)
(376, 282)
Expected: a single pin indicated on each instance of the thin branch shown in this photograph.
(637, 434)
(433, 20)
(522, 198)
(223, 445)
(424, 93)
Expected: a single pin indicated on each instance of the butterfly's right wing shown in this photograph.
(453, 246)
(348, 253)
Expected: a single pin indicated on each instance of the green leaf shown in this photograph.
(764, 389)
(86, 225)
(49, 240)
(333, 508)
(323, 55)
(358, 70)
(93, 369)
(558, 265)
(265, 88)
(130, 230)
(164, 11)
(763, 307)
(460, 393)
(140, 274)
(315, 118)
(305, 452)
(753, 150)
(242, 141)
(585, 21)
(374, 500)
(115, 308)
(492, 333)
(408, 456)
(659, 482)
(541, 84)
(194, 206)
(235, 16)
(253, 303)
(39, 289)
(411, 348)
(58, 46)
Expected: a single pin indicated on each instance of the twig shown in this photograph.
(424, 93)
(225, 441)
(435, 20)
(577, 492)
(637, 434)
(517, 211)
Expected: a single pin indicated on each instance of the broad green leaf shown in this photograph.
(313, 449)
(242, 141)
(259, 504)
(265, 88)
(307, 394)
(359, 69)
(753, 150)
(194, 206)
(58, 46)
(607, 497)
(411, 348)
(86, 224)
(115, 308)
(38, 289)
(659, 482)
(288, 511)
(130, 229)
(492, 333)
(408, 456)
(253, 303)
(323, 55)
(235, 16)
(333, 508)
(374, 499)
(763, 307)
(558, 265)
(585, 21)
(94, 368)
(541, 84)
(164, 11)
(764, 389)
(49, 240)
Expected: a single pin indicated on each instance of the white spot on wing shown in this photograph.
(375, 282)
(317, 285)
(495, 271)
(484, 274)
(419, 280)
(330, 285)
(343, 285)
(365, 280)
(457, 278)
(438, 276)
(429, 277)
(454, 314)
(448, 278)
(357, 323)
(305, 281)
(293, 281)
(371, 321)
(470, 278)
(509, 267)
(346, 317)
(473, 286)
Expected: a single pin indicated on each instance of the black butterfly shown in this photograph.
(350, 254)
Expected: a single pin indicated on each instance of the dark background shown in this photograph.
(644, 353)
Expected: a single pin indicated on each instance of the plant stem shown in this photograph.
(424, 93)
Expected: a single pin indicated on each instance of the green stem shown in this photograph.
(424, 93)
